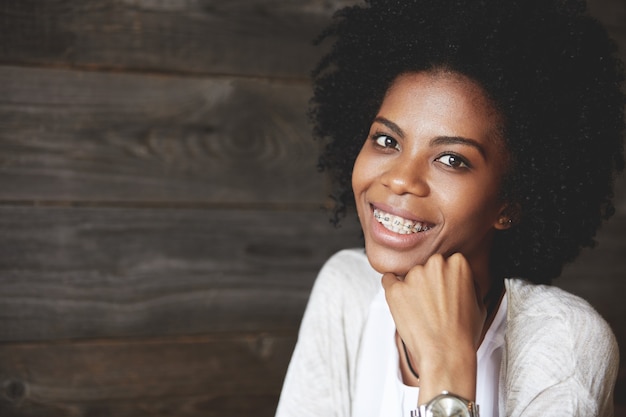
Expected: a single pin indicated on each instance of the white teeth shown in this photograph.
(399, 224)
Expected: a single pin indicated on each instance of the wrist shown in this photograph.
(456, 374)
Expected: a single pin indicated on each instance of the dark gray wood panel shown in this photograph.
(97, 272)
(210, 376)
(130, 132)
(599, 274)
(251, 37)
(246, 37)
(81, 136)
(612, 14)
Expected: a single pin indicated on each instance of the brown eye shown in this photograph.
(385, 141)
(453, 161)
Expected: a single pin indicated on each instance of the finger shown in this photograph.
(388, 280)
(459, 267)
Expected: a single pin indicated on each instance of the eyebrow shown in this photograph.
(458, 140)
(391, 125)
(439, 140)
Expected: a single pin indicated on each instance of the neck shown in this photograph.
(492, 302)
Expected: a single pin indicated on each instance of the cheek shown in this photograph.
(359, 174)
(477, 202)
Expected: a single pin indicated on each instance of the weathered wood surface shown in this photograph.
(612, 14)
(95, 276)
(80, 136)
(598, 276)
(159, 230)
(245, 37)
(71, 273)
(112, 183)
(236, 37)
(107, 272)
(208, 376)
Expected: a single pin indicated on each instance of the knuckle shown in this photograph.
(435, 260)
(458, 261)
(457, 258)
(393, 292)
(414, 273)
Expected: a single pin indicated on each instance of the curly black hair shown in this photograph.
(549, 68)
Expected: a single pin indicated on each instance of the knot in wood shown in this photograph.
(14, 390)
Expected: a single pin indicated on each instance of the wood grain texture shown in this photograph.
(211, 376)
(96, 273)
(246, 37)
(159, 231)
(80, 136)
(272, 38)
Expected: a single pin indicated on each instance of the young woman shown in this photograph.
(479, 141)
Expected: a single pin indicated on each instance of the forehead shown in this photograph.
(450, 101)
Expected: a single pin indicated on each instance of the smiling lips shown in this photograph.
(399, 224)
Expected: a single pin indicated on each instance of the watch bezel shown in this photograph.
(448, 404)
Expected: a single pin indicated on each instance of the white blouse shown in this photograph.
(380, 391)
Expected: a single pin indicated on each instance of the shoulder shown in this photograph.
(320, 373)
(562, 344)
(348, 272)
(529, 303)
(344, 287)
(542, 308)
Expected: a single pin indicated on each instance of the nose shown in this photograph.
(407, 177)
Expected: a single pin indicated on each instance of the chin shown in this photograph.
(396, 263)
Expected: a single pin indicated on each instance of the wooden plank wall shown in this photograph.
(160, 211)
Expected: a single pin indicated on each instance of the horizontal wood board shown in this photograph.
(237, 37)
(80, 136)
(97, 273)
(116, 374)
(210, 376)
(272, 38)
(158, 195)
(144, 260)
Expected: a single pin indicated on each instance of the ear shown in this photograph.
(504, 222)
(508, 216)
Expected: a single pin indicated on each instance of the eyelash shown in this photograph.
(376, 138)
(461, 160)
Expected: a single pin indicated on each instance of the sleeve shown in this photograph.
(564, 362)
(317, 383)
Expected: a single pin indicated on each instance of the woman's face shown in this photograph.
(427, 178)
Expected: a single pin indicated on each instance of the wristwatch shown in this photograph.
(447, 404)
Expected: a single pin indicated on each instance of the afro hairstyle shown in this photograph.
(550, 69)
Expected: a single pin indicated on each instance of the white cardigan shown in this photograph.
(560, 356)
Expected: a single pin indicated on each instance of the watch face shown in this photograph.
(447, 406)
